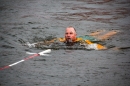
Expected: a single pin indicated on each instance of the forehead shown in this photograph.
(70, 29)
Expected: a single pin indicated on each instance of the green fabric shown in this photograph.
(87, 37)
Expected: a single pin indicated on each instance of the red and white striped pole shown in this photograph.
(32, 56)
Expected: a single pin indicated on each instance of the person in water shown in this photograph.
(71, 39)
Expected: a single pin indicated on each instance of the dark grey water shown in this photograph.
(34, 20)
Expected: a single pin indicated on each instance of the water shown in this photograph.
(35, 20)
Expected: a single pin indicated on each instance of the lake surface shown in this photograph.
(35, 20)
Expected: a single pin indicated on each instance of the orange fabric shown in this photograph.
(89, 42)
(99, 46)
(63, 39)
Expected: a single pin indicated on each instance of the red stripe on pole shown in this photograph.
(31, 56)
(4, 67)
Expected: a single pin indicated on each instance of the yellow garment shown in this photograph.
(93, 45)
(98, 46)
(63, 39)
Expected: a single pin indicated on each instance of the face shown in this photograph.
(70, 34)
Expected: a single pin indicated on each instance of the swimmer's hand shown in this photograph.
(30, 45)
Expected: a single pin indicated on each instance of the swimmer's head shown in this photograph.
(70, 34)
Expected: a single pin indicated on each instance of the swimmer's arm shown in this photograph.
(38, 44)
(46, 42)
